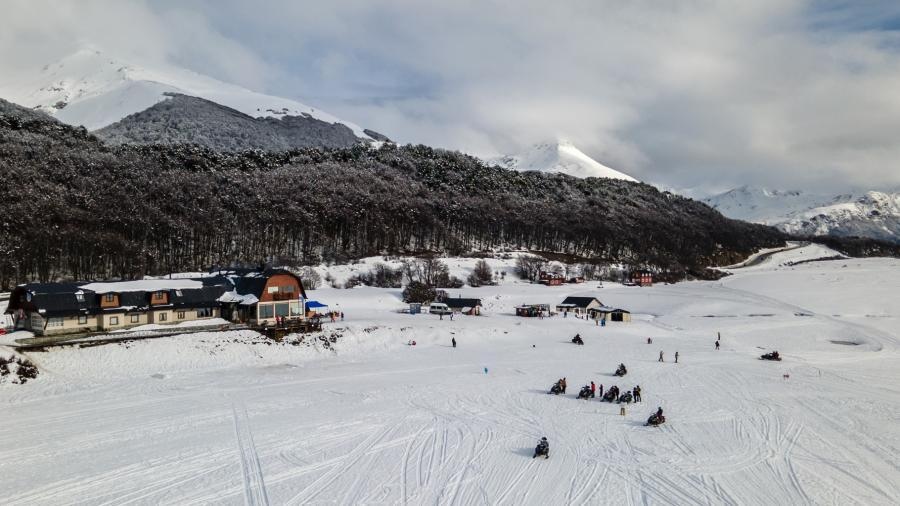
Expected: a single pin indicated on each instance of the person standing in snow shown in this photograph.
(601, 390)
(563, 384)
(717, 344)
(453, 341)
(636, 393)
(676, 357)
(593, 390)
(342, 316)
(661, 356)
(649, 341)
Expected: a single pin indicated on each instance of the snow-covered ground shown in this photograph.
(227, 418)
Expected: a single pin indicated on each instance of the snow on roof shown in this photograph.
(235, 297)
(144, 285)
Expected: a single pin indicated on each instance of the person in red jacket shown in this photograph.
(593, 390)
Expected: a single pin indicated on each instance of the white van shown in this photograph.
(438, 308)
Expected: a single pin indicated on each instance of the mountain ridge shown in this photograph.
(562, 157)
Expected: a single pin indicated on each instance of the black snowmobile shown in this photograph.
(585, 392)
(626, 398)
(542, 449)
(577, 340)
(610, 395)
(556, 389)
(621, 371)
(771, 356)
(656, 420)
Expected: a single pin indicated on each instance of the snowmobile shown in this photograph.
(577, 340)
(771, 356)
(542, 449)
(626, 398)
(585, 392)
(556, 389)
(621, 371)
(610, 395)
(656, 419)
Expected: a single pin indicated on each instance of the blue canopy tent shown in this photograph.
(318, 307)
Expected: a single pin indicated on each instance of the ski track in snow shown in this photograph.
(395, 424)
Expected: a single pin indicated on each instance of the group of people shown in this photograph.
(662, 355)
(613, 394)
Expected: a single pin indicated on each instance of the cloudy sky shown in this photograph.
(694, 93)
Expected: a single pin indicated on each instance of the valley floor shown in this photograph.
(226, 418)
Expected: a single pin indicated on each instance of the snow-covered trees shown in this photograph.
(481, 274)
(76, 208)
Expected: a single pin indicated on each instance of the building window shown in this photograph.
(163, 316)
(204, 312)
(113, 320)
(82, 320)
(79, 296)
(180, 315)
(110, 297)
(266, 311)
(281, 309)
(135, 318)
(159, 296)
(55, 321)
(296, 308)
(178, 293)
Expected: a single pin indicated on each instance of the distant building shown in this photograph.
(550, 278)
(609, 314)
(533, 310)
(641, 277)
(463, 305)
(578, 305)
(255, 297)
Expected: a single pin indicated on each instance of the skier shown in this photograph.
(661, 356)
(636, 393)
(676, 357)
(593, 390)
(717, 345)
(453, 341)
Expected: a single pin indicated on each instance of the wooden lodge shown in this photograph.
(550, 278)
(254, 297)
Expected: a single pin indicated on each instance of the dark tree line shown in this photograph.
(77, 208)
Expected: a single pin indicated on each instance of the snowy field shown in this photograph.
(225, 418)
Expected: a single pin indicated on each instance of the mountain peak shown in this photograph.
(561, 156)
(91, 87)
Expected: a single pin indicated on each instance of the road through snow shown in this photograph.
(219, 418)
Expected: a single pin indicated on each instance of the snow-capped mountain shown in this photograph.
(561, 157)
(873, 214)
(94, 88)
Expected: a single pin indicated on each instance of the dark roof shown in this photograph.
(251, 282)
(60, 299)
(458, 302)
(580, 301)
(198, 297)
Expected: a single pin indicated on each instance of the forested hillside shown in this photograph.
(77, 208)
